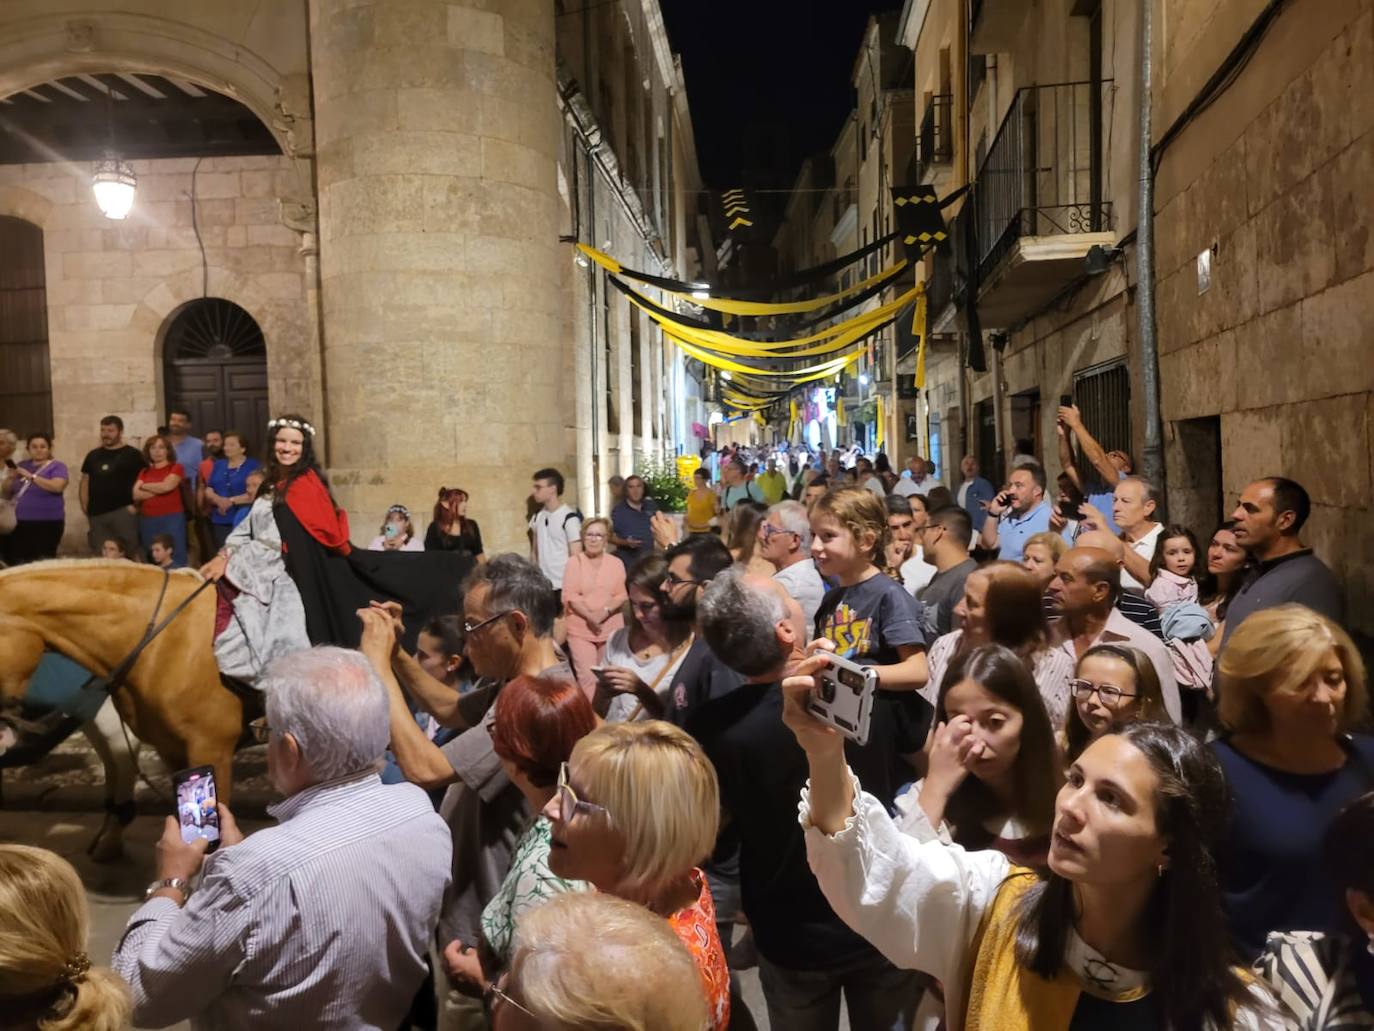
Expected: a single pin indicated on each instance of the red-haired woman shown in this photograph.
(537, 722)
(451, 529)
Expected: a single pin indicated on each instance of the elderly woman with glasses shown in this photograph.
(537, 722)
(593, 595)
(638, 977)
(638, 807)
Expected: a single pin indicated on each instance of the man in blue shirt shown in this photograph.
(190, 450)
(1017, 514)
(631, 526)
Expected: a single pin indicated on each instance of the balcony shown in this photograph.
(1038, 200)
(934, 143)
(996, 25)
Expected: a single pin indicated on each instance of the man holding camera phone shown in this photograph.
(1018, 513)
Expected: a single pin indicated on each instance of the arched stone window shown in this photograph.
(215, 367)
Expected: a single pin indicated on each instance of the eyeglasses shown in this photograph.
(494, 993)
(261, 731)
(469, 627)
(1109, 693)
(770, 531)
(569, 804)
(671, 581)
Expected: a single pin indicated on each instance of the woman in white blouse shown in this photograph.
(1002, 605)
(1124, 931)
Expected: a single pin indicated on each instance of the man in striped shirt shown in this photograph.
(321, 921)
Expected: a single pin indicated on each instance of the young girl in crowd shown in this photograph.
(1113, 685)
(1186, 625)
(872, 620)
(397, 532)
(451, 529)
(112, 547)
(994, 764)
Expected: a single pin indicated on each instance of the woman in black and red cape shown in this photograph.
(290, 579)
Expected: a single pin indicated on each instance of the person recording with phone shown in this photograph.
(1106, 468)
(321, 921)
(808, 959)
(1018, 513)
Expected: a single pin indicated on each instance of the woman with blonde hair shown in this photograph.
(742, 537)
(593, 597)
(1002, 605)
(639, 977)
(1292, 688)
(637, 808)
(46, 979)
(1040, 554)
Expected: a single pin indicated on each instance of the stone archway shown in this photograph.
(226, 58)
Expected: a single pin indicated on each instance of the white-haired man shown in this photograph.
(785, 541)
(808, 958)
(322, 921)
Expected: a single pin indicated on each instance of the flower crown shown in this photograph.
(293, 424)
(398, 510)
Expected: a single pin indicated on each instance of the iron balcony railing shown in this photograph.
(934, 142)
(1043, 173)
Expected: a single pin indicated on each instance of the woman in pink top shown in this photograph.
(593, 595)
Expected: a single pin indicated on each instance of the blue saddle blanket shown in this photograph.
(59, 683)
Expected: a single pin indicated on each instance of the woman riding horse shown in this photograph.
(291, 579)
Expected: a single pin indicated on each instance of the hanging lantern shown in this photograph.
(114, 184)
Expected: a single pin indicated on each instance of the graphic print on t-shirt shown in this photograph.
(850, 633)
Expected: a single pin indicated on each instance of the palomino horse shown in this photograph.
(95, 612)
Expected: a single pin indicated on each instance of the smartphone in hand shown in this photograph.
(197, 804)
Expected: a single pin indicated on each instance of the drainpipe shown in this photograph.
(1152, 465)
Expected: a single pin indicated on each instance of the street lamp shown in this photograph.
(114, 181)
(114, 184)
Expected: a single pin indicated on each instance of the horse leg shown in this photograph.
(118, 754)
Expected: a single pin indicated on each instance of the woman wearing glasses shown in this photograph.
(639, 975)
(1114, 685)
(537, 722)
(637, 809)
(642, 656)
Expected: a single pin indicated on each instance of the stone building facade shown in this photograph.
(401, 252)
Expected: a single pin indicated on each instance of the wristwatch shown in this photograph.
(169, 882)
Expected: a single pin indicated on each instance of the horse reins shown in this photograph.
(117, 676)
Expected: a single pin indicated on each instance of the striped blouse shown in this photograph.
(1313, 974)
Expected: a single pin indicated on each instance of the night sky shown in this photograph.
(767, 81)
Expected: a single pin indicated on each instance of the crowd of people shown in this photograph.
(1111, 778)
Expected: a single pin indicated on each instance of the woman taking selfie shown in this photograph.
(642, 656)
(994, 765)
(1292, 688)
(1123, 931)
(1114, 685)
(637, 809)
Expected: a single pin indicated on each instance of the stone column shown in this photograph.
(437, 137)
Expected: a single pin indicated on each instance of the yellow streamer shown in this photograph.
(829, 368)
(919, 325)
(879, 421)
(734, 307)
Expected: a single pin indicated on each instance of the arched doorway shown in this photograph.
(215, 366)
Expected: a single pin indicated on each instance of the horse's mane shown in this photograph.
(121, 564)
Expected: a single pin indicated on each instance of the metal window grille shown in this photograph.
(1103, 396)
(933, 142)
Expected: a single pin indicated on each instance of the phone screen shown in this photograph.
(197, 804)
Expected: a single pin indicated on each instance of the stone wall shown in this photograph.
(112, 286)
(1276, 176)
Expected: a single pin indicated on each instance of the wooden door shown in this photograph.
(216, 368)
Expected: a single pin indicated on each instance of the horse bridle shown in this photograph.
(117, 676)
